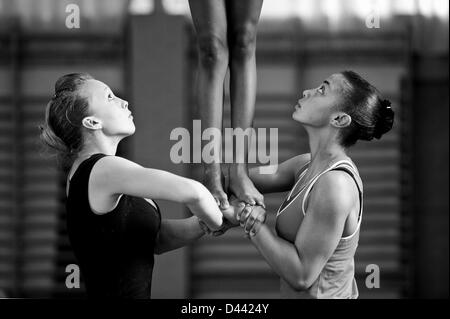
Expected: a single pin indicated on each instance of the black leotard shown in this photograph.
(114, 250)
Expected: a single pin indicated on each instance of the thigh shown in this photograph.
(243, 13)
(209, 17)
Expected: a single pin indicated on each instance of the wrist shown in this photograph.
(204, 228)
(256, 229)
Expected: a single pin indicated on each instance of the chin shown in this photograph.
(126, 133)
(296, 117)
(132, 131)
(300, 119)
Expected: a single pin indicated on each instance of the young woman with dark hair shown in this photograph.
(113, 222)
(318, 224)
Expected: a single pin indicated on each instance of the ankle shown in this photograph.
(211, 170)
(238, 169)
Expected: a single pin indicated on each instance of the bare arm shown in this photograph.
(300, 264)
(177, 233)
(284, 177)
(114, 175)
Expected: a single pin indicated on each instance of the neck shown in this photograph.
(102, 144)
(324, 146)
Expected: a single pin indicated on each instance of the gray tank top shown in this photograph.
(337, 278)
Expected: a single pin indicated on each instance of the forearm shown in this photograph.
(282, 256)
(205, 207)
(177, 233)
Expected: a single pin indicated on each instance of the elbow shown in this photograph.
(301, 283)
(196, 193)
(158, 251)
(159, 247)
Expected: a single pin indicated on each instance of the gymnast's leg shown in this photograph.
(243, 17)
(210, 23)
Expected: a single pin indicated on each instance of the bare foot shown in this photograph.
(242, 187)
(213, 182)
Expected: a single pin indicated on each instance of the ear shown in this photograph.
(341, 120)
(91, 123)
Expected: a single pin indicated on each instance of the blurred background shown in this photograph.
(145, 51)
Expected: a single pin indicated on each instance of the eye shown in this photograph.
(321, 89)
(110, 96)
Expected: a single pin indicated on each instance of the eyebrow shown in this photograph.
(327, 83)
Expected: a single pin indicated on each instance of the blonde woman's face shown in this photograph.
(109, 112)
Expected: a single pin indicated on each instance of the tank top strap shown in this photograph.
(298, 176)
(353, 172)
(83, 170)
(348, 167)
(302, 170)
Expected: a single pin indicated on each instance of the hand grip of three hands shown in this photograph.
(249, 217)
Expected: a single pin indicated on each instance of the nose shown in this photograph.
(125, 104)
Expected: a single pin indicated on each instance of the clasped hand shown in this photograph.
(249, 217)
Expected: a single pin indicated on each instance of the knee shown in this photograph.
(244, 42)
(213, 50)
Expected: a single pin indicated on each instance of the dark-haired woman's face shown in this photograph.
(109, 110)
(317, 106)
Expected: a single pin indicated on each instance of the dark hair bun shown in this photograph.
(372, 116)
(385, 119)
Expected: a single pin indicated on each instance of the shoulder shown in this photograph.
(335, 191)
(111, 167)
(109, 162)
(297, 162)
(302, 159)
